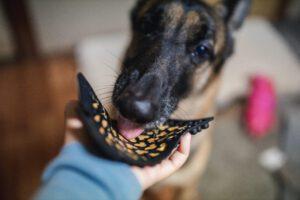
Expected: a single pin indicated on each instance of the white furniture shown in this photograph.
(259, 49)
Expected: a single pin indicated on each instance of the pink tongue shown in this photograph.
(129, 129)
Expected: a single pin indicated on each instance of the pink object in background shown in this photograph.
(261, 106)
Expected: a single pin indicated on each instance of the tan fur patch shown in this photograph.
(201, 78)
(173, 16)
(192, 18)
(211, 2)
(174, 13)
(220, 38)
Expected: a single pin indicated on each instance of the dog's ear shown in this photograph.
(135, 9)
(234, 12)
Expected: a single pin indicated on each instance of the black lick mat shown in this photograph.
(150, 148)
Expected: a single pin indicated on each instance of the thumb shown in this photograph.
(73, 125)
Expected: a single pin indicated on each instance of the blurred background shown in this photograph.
(44, 42)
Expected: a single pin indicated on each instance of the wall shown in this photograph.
(62, 23)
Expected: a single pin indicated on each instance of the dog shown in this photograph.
(172, 68)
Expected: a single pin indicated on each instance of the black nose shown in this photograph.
(136, 108)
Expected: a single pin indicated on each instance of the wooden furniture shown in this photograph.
(21, 29)
(33, 95)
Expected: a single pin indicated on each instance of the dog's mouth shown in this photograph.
(130, 129)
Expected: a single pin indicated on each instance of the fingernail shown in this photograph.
(188, 135)
(74, 123)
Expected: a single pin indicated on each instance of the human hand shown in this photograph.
(147, 176)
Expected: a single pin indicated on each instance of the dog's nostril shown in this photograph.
(142, 107)
(143, 111)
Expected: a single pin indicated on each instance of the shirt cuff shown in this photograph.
(116, 177)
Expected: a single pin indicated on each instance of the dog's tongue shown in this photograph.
(129, 129)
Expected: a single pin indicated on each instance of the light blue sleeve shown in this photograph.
(77, 174)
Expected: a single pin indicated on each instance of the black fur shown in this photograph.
(160, 61)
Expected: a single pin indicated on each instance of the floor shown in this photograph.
(235, 155)
(234, 172)
(33, 95)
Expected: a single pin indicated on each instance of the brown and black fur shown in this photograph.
(176, 53)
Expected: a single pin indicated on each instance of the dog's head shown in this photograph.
(173, 41)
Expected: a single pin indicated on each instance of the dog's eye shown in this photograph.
(202, 53)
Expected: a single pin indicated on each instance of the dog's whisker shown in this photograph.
(183, 113)
(104, 90)
(108, 106)
(106, 103)
(103, 87)
(176, 116)
(111, 68)
(105, 98)
(121, 61)
(101, 95)
(182, 110)
(115, 56)
(105, 93)
(115, 76)
(112, 85)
